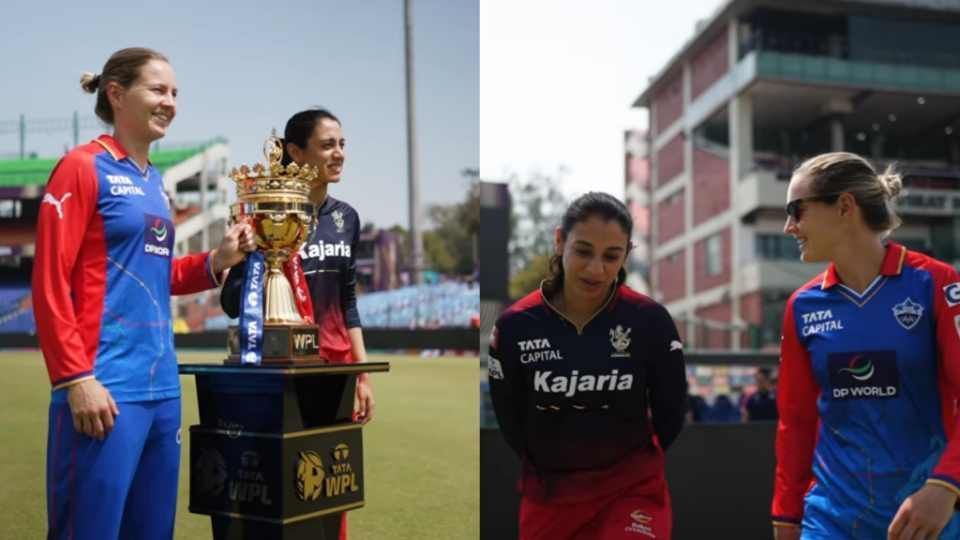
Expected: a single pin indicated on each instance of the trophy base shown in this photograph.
(282, 345)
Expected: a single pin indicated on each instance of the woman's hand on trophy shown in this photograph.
(237, 242)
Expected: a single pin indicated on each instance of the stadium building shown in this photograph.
(193, 175)
(637, 183)
(762, 85)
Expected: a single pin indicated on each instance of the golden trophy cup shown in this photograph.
(274, 200)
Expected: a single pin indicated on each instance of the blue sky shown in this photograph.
(244, 67)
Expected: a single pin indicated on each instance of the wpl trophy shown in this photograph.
(274, 200)
(276, 454)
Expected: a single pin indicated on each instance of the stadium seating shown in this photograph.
(447, 304)
(16, 309)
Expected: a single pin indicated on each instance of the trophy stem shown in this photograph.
(281, 308)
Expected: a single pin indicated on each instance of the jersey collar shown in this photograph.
(112, 145)
(892, 265)
(614, 293)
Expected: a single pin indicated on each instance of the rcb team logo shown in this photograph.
(620, 339)
(310, 475)
(338, 220)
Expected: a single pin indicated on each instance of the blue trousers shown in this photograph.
(124, 487)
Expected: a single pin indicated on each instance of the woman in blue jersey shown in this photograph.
(589, 387)
(866, 444)
(102, 278)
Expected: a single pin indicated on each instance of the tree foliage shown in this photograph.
(530, 276)
(538, 206)
(450, 246)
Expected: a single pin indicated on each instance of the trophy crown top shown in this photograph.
(274, 176)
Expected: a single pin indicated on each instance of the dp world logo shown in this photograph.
(908, 313)
(860, 368)
(863, 375)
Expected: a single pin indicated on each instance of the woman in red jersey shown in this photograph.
(588, 383)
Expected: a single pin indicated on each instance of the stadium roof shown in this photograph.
(30, 172)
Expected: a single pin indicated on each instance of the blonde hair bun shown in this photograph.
(892, 182)
(89, 82)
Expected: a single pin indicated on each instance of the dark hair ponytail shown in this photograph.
(300, 127)
(594, 203)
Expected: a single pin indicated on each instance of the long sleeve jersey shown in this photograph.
(329, 262)
(103, 274)
(868, 385)
(572, 400)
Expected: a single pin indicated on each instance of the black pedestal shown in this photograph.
(276, 454)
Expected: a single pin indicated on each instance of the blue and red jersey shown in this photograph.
(867, 393)
(583, 406)
(103, 275)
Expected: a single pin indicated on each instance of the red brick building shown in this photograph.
(762, 86)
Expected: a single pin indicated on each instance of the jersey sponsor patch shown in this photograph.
(322, 250)
(123, 186)
(494, 369)
(641, 523)
(951, 293)
(157, 236)
(570, 385)
(908, 313)
(819, 322)
(864, 375)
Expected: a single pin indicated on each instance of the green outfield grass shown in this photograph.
(421, 451)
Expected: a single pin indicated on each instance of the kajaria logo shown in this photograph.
(570, 385)
(321, 250)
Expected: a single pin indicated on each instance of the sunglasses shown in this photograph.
(795, 210)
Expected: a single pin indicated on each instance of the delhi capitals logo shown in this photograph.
(159, 230)
(862, 372)
(908, 313)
